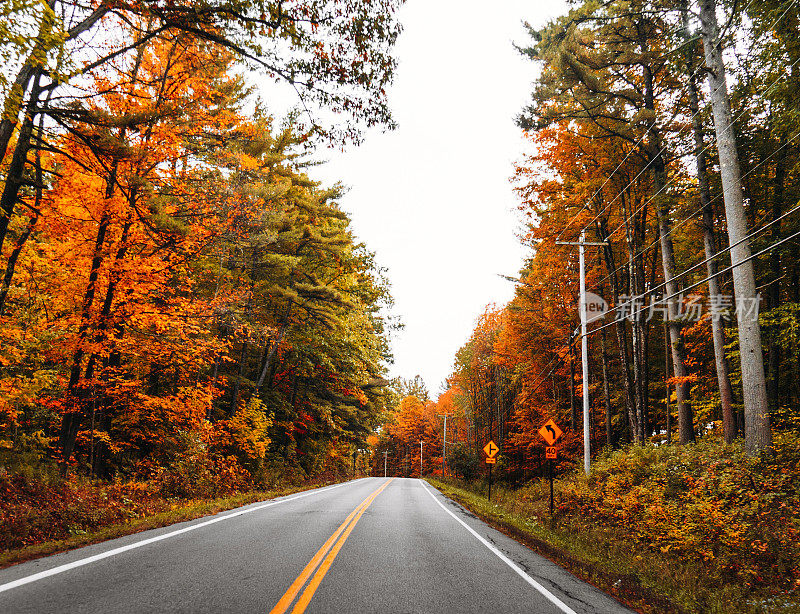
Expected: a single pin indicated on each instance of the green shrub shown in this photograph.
(463, 462)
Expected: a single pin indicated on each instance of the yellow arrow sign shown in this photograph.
(491, 449)
(550, 432)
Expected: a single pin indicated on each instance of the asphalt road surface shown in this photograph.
(370, 545)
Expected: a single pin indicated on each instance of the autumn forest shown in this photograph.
(186, 314)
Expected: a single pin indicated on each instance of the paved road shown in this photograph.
(371, 545)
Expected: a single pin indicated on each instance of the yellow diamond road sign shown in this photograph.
(550, 432)
(491, 449)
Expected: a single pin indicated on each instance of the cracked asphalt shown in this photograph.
(404, 554)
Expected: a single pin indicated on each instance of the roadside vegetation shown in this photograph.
(665, 529)
(187, 321)
(663, 136)
(42, 512)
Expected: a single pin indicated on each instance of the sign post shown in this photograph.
(491, 451)
(551, 434)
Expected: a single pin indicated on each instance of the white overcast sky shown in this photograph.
(433, 197)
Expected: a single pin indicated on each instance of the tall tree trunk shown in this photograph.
(685, 417)
(274, 348)
(238, 385)
(573, 409)
(606, 394)
(23, 238)
(108, 302)
(619, 326)
(758, 433)
(15, 175)
(72, 417)
(636, 290)
(655, 155)
(709, 240)
(774, 289)
(14, 101)
(12, 262)
(667, 389)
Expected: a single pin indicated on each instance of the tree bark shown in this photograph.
(655, 155)
(668, 390)
(72, 417)
(709, 240)
(274, 348)
(16, 169)
(606, 394)
(573, 409)
(619, 327)
(758, 433)
(12, 262)
(774, 290)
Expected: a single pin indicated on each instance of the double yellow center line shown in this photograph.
(323, 560)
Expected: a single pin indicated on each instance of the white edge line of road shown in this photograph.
(555, 600)
(104, 555)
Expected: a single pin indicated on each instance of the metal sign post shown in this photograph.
(551, 433)
(491, 451)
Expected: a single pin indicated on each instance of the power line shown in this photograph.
(666, 185)
(664, 148)
(692, 216)
(649, 128)
(672, 180)
(573, 337)
(699, 283)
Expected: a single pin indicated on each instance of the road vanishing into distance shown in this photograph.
(387, 545)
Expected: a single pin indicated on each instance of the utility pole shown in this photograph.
(420, 459)
(384, 463)
(444, 443)
(584, 344)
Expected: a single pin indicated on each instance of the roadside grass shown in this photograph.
(180, 511)
(643, 580)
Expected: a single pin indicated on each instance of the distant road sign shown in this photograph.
(551, 452)
(491, 449)
(550, 432)
(491, 460)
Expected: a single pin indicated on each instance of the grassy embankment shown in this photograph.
(698, 528)
(42, 514)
